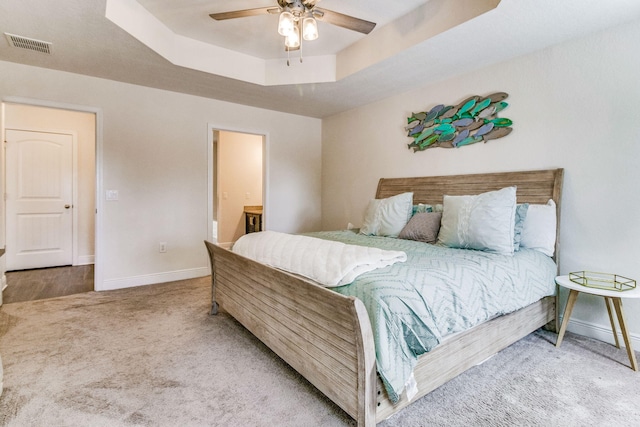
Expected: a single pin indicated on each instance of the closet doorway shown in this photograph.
(237, 184)
(50, 206)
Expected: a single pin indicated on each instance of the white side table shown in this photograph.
(614, 297)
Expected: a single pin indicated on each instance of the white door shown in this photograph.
(39, 196)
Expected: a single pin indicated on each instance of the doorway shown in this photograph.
(50, 170)
(237, 183)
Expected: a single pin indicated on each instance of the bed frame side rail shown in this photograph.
(468, 349)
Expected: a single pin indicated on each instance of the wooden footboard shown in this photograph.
(323, 335)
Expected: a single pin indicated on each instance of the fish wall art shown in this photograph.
(473, 120)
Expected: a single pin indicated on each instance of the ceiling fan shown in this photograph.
(298, 18)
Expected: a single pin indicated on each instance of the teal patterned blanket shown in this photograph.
(436, 292)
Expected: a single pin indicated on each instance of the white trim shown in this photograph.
(75, 204)
(85, 260)
(600, 333)
(210, 170)
(98, 273)
(3, 191)
(3, 286)
(151, 279)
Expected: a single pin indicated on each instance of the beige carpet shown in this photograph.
(152, 356)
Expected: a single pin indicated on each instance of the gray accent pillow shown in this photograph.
(422, 227)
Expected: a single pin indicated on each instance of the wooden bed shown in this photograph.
(327, 337)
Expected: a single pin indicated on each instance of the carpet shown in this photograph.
(152, 356)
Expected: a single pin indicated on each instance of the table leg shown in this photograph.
(573, 296)
(617, 303)
(607, 302)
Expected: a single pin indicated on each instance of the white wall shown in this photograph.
(154, 152)
(575, 105)
(29, 117)
(240, 181)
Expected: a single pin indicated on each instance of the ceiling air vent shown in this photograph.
(30, 44)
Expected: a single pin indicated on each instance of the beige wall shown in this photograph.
(154, 151)
(239, 170)
(28, 117)
(575, 105)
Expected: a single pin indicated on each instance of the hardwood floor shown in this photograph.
(29, 285)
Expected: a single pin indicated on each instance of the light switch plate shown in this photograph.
(112, 195)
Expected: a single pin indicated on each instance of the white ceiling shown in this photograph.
(86, 42)
(257, 35)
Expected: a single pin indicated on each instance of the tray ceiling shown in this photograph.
(85, 42)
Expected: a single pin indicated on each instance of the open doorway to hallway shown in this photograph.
(237, 174)
(50, 186)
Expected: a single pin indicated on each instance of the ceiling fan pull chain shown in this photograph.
(288, 50)
(301, 51)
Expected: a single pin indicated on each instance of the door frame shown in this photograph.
(98, 237)
(74, 182)
(211, 127)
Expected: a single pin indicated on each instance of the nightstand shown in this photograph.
(253, 219)
(610, 297)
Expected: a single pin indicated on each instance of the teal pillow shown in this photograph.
(421, 208)
(521, 215)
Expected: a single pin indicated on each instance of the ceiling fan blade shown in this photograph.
(244, 13)
(344, 21)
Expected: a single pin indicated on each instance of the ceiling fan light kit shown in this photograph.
(286, 23)
(292, 40)
(297, 15)
(309, 27)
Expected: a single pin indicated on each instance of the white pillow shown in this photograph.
(539, 231)
(387, 217)
(484, 222)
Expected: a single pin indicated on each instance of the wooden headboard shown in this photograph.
(532, 187)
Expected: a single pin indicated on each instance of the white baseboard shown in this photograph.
(150, 279)
(85, 260)
(601, 333)
(3, 286)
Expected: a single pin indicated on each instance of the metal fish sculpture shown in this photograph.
(473, 120)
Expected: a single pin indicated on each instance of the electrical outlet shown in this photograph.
(163, 247)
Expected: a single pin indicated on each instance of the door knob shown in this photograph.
(67, 206)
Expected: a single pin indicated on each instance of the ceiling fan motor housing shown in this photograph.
(297, 7)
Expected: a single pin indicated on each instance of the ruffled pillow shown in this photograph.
(484, 222)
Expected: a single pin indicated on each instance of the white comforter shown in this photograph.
(327, 262)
